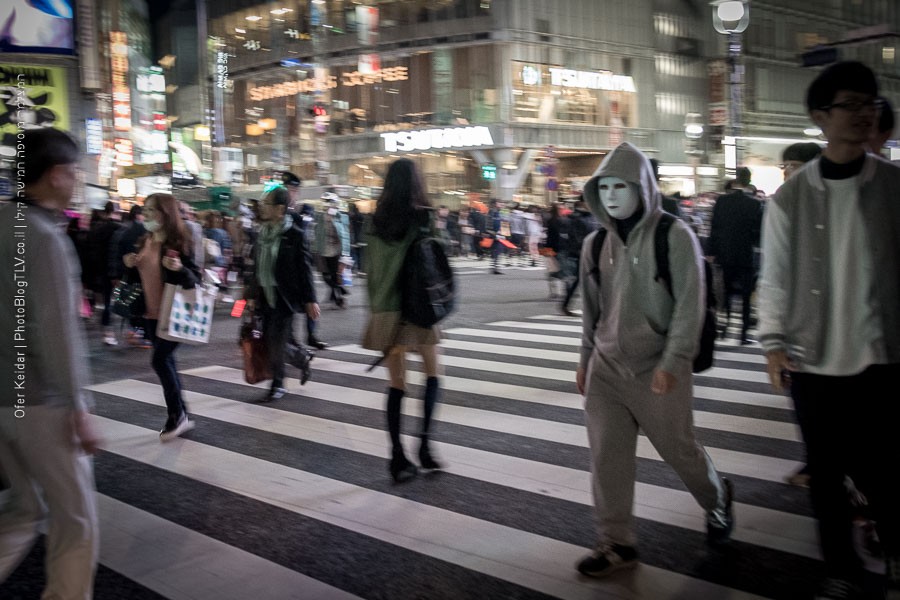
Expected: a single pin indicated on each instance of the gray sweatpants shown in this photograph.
(617, 406)
(49, 480)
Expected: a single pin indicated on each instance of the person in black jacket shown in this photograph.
(581, 222)
(733, 235)
(282, 283)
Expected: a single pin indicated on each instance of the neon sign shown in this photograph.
(427, 139)
(591, 80)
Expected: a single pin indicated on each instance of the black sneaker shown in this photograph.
(316, 343)
(838, 589)
(720, 521)
(174, 428)
(606, 559)
(274, 394)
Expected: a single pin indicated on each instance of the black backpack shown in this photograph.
(427, 287)
(704, 358)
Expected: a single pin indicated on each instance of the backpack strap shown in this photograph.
(596, 247)
(661, 249)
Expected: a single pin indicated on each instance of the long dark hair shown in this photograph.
(402, 196)
(177, 235)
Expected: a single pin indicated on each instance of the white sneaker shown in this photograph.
(170, 432)
(110, 340)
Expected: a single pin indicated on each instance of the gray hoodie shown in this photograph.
(631, 322)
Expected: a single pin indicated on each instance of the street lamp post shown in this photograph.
(731, 18)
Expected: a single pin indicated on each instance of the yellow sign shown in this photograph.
(31, 97)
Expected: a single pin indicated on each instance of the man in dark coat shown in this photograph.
(733, 236)
(282, 284)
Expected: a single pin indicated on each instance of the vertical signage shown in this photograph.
(442, 77)
(93, 136)
(87, 46)
(118, 52)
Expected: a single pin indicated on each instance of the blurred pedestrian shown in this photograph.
(402, 210)
(164, 256)
(45, 434)
(282, 285)
(830, 320)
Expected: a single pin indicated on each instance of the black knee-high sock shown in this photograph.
(431, 398)
(393, 416)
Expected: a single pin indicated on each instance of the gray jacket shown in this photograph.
(794, 291)
(632, 321)
(44, 348)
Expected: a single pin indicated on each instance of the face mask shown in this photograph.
(332, 211)
(618, 197)
(151, 226)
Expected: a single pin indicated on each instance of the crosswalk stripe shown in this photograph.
(729, 461)
(760, 526)
(575, 341)
(181, 564)
(531, 371)
(527, 559)
(533, 395)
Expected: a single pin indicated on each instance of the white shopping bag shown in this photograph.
(186, 315)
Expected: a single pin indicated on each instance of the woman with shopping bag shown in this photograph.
(164, 257)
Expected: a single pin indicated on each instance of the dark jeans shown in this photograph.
(850, 429)
(739, 280)
(573, 284)
(277, 329)
(332, 279)
(496, 250)
(163, 362)
(106, 289)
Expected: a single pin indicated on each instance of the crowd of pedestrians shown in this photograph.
(823, 253)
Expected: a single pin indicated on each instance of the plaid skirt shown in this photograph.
(386, 329)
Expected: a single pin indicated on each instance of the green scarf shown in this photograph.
(269, 243)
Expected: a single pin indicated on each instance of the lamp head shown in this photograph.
(730, 16)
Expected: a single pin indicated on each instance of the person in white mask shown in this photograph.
(638, 346)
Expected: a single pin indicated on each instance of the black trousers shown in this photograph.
(739, 280)
(851, 429)
(332, 279)
(278, 323)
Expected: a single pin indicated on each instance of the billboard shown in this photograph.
(31, 97)
(37, 26)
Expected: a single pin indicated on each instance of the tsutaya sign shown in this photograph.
(427, 139)
(591, 80)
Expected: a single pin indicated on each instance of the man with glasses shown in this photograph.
(796, 155)
(830, 319)
(281, 285)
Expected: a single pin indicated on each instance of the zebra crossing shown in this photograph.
(293, 500)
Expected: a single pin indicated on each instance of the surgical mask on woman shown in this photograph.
(151, 226)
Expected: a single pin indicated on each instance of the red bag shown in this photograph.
(255, 351)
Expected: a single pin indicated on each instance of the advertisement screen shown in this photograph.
(31, 97)
(37, 26)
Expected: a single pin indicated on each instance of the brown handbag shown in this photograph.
(255, 351)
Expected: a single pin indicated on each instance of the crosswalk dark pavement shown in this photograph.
(293, 499)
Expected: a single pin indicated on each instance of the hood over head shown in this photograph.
(629, 164)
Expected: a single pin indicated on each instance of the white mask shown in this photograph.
(618, 197)
(332, 211)
(151, 226)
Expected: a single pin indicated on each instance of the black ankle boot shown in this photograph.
(401, 469)
(425, 459)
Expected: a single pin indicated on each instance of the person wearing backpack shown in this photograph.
(402, 210)
(638, 346)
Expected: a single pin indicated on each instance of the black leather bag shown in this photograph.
(127, 299)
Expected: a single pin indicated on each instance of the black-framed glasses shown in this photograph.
(856, 106)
